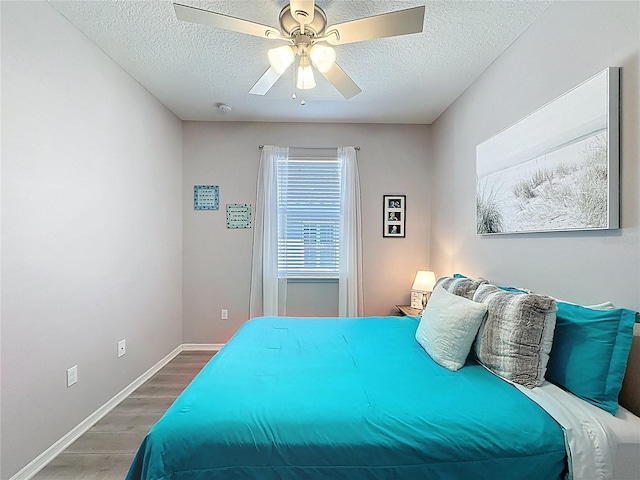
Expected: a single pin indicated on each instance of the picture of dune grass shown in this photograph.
(572, 194)
(552, 170)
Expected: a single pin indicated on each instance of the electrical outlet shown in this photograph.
(224, 314)
(122, 348)
(72, 375)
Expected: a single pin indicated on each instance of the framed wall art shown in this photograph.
(238, 215)
(556, 169)
(394, 215)
(205, 197)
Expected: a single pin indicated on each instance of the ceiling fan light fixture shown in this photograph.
(305, 74)
(280, 58)
(323, 57)
(305, 78)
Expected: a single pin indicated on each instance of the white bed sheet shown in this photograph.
(599, 445)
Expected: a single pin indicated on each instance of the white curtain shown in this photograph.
(350, 294)
(267, 291)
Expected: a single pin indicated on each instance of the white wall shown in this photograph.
(91, 229)
(217, 262)
(570, 42)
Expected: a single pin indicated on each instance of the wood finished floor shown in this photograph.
(106, 450)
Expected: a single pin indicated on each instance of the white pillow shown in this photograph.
(597, 306)
(448, 326)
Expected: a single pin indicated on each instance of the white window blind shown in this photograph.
(308, 217)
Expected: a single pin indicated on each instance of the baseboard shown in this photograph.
(41, 461)
(202, 347)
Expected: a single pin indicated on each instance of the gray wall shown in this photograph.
(217, 262)
(571, 42)
(91, 229)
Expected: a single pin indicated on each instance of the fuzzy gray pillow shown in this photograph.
(463, 286)
(515, 340)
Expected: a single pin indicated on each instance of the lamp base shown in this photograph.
(425, 299)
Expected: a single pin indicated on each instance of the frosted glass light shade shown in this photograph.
(280, 58)
(305, 77)
(424, 281)
(323, 57)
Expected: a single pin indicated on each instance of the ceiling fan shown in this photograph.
(303, 28)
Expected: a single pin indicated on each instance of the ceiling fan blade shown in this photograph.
(266, 81)
(342, 82)
(205, 17)
(302, 10)
(401, 22)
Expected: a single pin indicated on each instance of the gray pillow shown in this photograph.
(464, 287)
(515, 340)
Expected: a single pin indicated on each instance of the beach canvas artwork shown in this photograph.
(556, 169)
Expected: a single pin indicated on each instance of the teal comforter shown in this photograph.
(346, 398)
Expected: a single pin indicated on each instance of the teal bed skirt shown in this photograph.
(346, 398)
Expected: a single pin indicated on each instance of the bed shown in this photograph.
(356, 398)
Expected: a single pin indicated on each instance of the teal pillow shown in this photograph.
(590, 352)
(514, 290)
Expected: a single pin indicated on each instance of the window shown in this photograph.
(308, 217)
(308, 224)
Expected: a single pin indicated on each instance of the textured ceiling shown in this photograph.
(191, 68)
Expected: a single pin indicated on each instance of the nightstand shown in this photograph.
(407, 310)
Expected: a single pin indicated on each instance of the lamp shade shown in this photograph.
(280, 58)
(425, 281)
(305, 74)
(323, 57)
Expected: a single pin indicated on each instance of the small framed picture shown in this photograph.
(205, 197)
(393, 215)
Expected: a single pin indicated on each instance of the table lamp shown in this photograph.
(422, 287)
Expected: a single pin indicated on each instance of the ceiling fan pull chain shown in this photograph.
(294, 95)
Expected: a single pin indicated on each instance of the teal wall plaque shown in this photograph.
(205, 197)
(238, 215)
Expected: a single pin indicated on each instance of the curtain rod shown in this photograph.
(312, 148)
